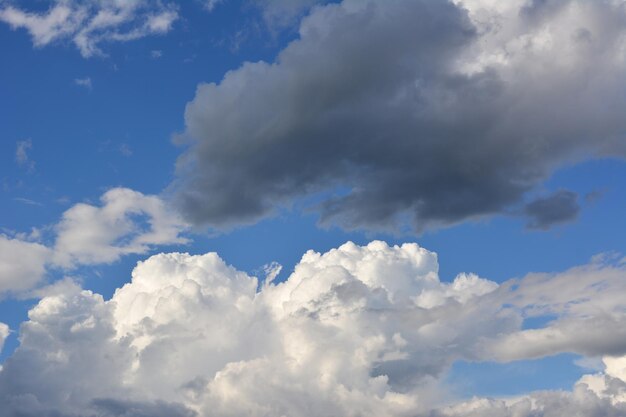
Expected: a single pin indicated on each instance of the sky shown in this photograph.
(312, 208)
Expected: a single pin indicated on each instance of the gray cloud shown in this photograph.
(559, 207)
(414, 113)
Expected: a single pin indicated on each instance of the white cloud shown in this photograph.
(89, 24)
(586, 305)
(21, 154)
(22, 264)
(4, 333)
(84, 82)
(365, 331)
(126, 150)
(126, 222)
(210, 4)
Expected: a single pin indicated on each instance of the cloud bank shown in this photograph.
(126, 222)
(415, 114)
(89, 24)
(356, 331)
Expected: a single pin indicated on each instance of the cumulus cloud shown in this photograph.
(22, 263)
(408, 113)
(126, 222)
(357, 331)
(89, 24)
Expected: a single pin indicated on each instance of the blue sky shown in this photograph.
(263, 129)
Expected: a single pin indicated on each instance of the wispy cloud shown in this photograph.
(126, 150)
(84, 82)
(21, 154)
(27, 201)
(89, 24)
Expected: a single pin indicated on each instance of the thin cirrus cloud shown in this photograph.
(89, 24)
(357, 331)
(414, 114)
(126, 222)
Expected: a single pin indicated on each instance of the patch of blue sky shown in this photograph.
(492, 379)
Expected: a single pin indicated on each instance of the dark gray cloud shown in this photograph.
(559, 207)
(423, 113)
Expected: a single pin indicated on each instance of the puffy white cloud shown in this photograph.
(126, 222)
(411, 113)
(88, 24)
(22, 263)
(356, 331)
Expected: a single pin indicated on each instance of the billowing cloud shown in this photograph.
(413, 113)
(357, 331)
(89, 24)
(126, 222)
